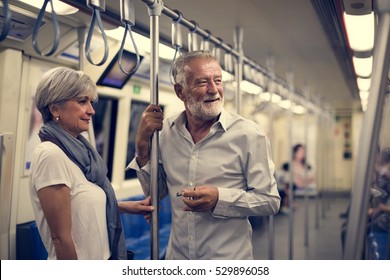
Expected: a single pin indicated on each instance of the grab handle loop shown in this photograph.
(128, 28)
(7, 21)
(176, 41)
(96, 17)
(128, 19)
(37, 25)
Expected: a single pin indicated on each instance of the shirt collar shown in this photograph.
(181, 119)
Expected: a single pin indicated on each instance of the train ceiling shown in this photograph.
(303, 36)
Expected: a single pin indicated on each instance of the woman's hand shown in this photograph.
(136, 207)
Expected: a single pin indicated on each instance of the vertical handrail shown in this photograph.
(154, 10)
(271, 227)
(6, 194)
(290, 80)
(318, 173)
(1, 152)
(369, 136)
(238, 41)
(306, 186)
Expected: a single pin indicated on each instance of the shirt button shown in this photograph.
(191, 238)
(190, 184)
(193, 156)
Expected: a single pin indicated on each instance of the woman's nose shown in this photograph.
(91, 110)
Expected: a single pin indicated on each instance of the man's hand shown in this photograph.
(151, 120)
(200, 199)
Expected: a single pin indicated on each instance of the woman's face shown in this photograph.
(300, 154)
(75, 115)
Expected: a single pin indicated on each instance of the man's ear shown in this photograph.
(179, 91)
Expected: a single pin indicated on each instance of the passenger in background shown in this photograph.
(283, 180)
(379, 212)
(303, 177)
(75, 207)
(216, 166)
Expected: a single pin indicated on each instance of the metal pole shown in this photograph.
(290, 80)
(369, 136)
(238, 39)
(271, 225)
(306, 187)
(318, 173)
(154, 13)
(326, 168)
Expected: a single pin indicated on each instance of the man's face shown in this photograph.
(203, 95)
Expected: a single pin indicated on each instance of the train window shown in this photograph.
(136, 109)
(104, 126)
(113, 76)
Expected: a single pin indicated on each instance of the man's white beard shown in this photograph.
(205, 111)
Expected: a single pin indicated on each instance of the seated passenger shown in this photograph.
(379, 213)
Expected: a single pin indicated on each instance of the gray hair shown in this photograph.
(59, 85)
(178, 71)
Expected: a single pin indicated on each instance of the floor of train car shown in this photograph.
(324, 241)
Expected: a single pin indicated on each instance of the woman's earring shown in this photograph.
(57, 119)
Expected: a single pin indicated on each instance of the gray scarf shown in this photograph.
(81, 152)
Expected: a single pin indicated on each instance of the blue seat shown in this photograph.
(137, 230)
(29, 244)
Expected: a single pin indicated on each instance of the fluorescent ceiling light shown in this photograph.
(59, 7)
(250, 87)
(226, 76)
(364, 95)
(285, 104)
(363, 83)
(363, 66)
(299, 109)
(364, 103)
(142, 42)
(276, 98)
(266, 96)
(360, 31)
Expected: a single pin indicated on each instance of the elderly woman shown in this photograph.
(76, 210)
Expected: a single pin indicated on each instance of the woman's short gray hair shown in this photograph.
(179, 64)
(59, 85)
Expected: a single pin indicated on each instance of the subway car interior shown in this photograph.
(313, 73)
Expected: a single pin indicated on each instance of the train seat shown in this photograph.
(29, 244)
(137, 230)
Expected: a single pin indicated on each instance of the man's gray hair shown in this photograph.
(59, 85)
(178, 71)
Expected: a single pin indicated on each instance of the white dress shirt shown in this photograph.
(235, 157)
